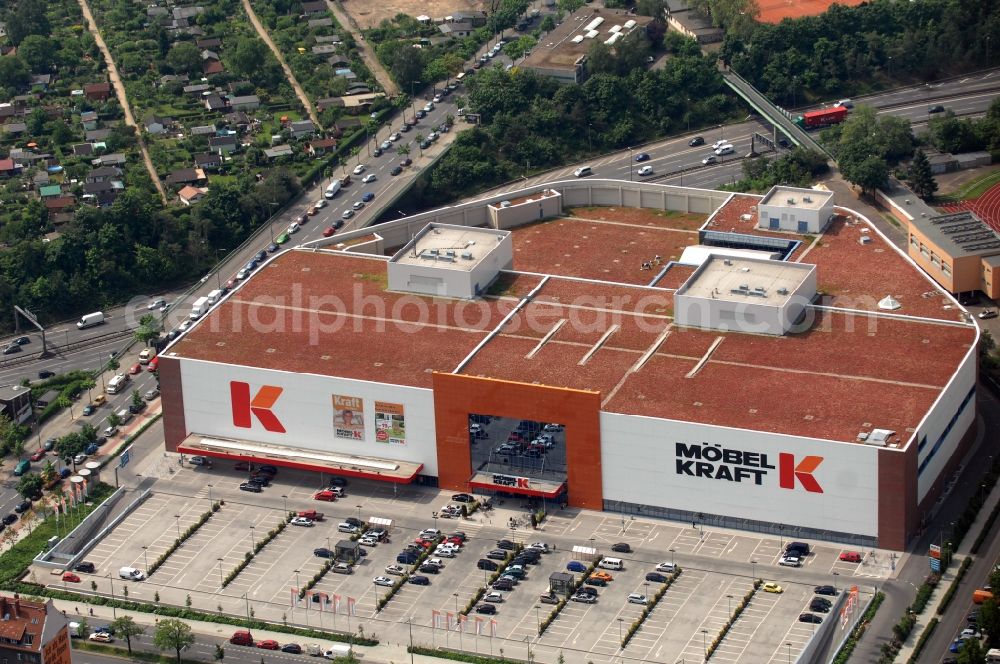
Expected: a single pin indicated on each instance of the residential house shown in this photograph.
(457, 29)
(222, 144)
(189, 195)
(40, 179)
(327, 39)
(206, 54)
(278, 151)
(196, 88)
(476, 18)
(208, 42)
(8, 111)
(313, 8)
(203, 130)
(50, 191)
(173, 78)
(97, 91)
(214, 102)
(94, 188)
(57, 204)
(186, 176)
(245, 103)
(156, 125)
(302, 128)
(89, 120)
(112, 159)
(324, 22)
(238, 120)
(15, 403)
(97, 135)
(15, 128)
(157, 12)
(35, 632)
(208, 161)
(9, 168)
(40, 82)
(187, 13)
(321, 146)
(323, 49)
(83, 149)
(104, 174)
(212, 67)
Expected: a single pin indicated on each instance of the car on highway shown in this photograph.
(70, 577)
(359, 169)
(367, 196)
(368, 178)
(282, 239)
(268, 644)
(696, 141)
(724, 149)
(156, 304)
(327, 232)
(987, 313)
(642, 156)
(292, 229)
(302, 521)
(382, 581)
(358, 205)
(938, 108)
(321, 203)
(646, 170)
(396, 170)
(347, 214)
(772, 587)
(45, 373)
(710, 159)
(11, 349)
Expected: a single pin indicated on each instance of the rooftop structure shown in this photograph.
(33, 632)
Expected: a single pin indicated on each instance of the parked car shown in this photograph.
(656, 577)
(497, 554)
(419, 580)
(268, 644)
(323, 552)
(621, 547)
(86, 567)
(850, 557)
(249, 486)
(383, 581)
(637, 598)
(486, 609)
(302, 521)
(576, 566)
(395, 569)
(488, 565)
(772, 587)
(585, 598)
(292, 648)
(70, 577)
(810, 618)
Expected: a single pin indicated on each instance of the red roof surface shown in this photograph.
(871, 371)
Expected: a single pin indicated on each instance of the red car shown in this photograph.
(328, 496)
(136, 368)
(455, 540)
(420, 541)
(38, 455)
(850, 557)
(329, 231)
(72, 578)
(268, 644)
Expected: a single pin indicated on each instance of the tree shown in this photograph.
(82, 628)
(569, 6)
(184, 57)
(971, 653)
(49, 473)
(71, 445)
(38, 52)
(126, 628)
(113, 420)
(921, 179)
(248, 56)
(172, 634)
(88, 432)
(14, 74)
(65, 402)
(30, 486)
(27, 19)
(149, 329)
(869, 174)
(989, 618)
(136, 399)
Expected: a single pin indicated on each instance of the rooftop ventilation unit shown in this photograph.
(450, 252)
(467, 255)
(591, 34)
(791, 201)
(434, 252)
(807, 199)
(726, 261)
(615, 28)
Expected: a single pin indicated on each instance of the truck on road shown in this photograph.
(200, 306)
(822, 118)
(337, 650)
(90, 320)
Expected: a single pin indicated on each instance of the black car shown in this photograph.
(377, 152)
(504, 583)
(293, 648)
(488, 609)
(23, 506)
(259, 480)
(20, 341)
(354, 522)
(585, 590)
(271, 248)
(45, 373)
(267, 468)
(972, 618)
(396, 170)
(784, 143)
(421, 114)
(323, 552)
(420, 580)
(825, 590)
(135, 409)
(487, 565)
(595, 581)
(13, 348)
(85, 567)
(819, 605)
(427, 568)
(505, 544)
(406, 558)
(9, 519)
(338, 481)
(252, 488)
(497, 554)
(261, 255)
(621, 547)
(696, 141)
(656, 577)
(936, 109)
(810, 618)
(462, 498)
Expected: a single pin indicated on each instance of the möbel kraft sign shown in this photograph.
(715, 462)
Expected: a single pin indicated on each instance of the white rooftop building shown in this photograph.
(794, 209)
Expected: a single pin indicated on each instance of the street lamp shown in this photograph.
(835, 575)
(753, 567)
(672, 552)
(409, 623)
(538, 621)
(247, 598)
(111, 580)
(359, 512)
(209, 495)
(413, 101)
(298, 586)
(789, 645)
(253, 544)
(629, 179)
(177, 519)
(220, 572)
(704, 646)
(145, 558)
(730, 598)
(284, 501)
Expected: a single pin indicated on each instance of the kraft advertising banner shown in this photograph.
(348, 417)
(390, 424)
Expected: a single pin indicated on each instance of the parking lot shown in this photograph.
(718, 569)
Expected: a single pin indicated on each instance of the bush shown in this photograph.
(846, 650)
(922, 641)
(950, 593)
(649, 607)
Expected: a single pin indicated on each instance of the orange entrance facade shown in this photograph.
(457, 396)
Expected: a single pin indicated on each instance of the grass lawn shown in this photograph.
(973, 189)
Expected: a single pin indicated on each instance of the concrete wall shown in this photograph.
(525, 212)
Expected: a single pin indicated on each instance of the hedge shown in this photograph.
(922, 641)
(846, 650)
(191, 530)
(649, 607)
(249, 555)
(461, 656)
(128, 441)
(399, 584)
(118, 650)
(950, 593)
(924, 592)
(544, 625)
(492, 578)
(317, 577)
(976, 500)
(987, 527)
(717, 641)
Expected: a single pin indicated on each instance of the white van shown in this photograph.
(146, 355)
(90, 320)
(582, 171)
(611, 563)
(199, 307)
(125, 415)
(993, 655)
(332, 190)
(131, 573)
(214, 296)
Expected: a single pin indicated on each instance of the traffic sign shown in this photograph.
(125, 456)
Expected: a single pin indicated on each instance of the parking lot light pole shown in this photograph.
(247, 598)
(789, 646)
(177, 519)
(209, 495)
(835, 575)
(220, 572)
(672, 552)
(409, 623)
(111, 580)
(538, 622)
(252, 543)
(458, 617)
(704, 646)
(145, 559)
(284, 502)
(359, 512)
(730, 598)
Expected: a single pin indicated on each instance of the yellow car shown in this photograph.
(603, 576)
(771, 587)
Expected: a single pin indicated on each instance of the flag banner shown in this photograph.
(336, 603)
(493, 628)
(461, 622)
(295, 597)
(435, 618)
(352, 606)
(479, 625)
(450, 616)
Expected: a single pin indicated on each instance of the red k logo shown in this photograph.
(788, 472)
(260, 406)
